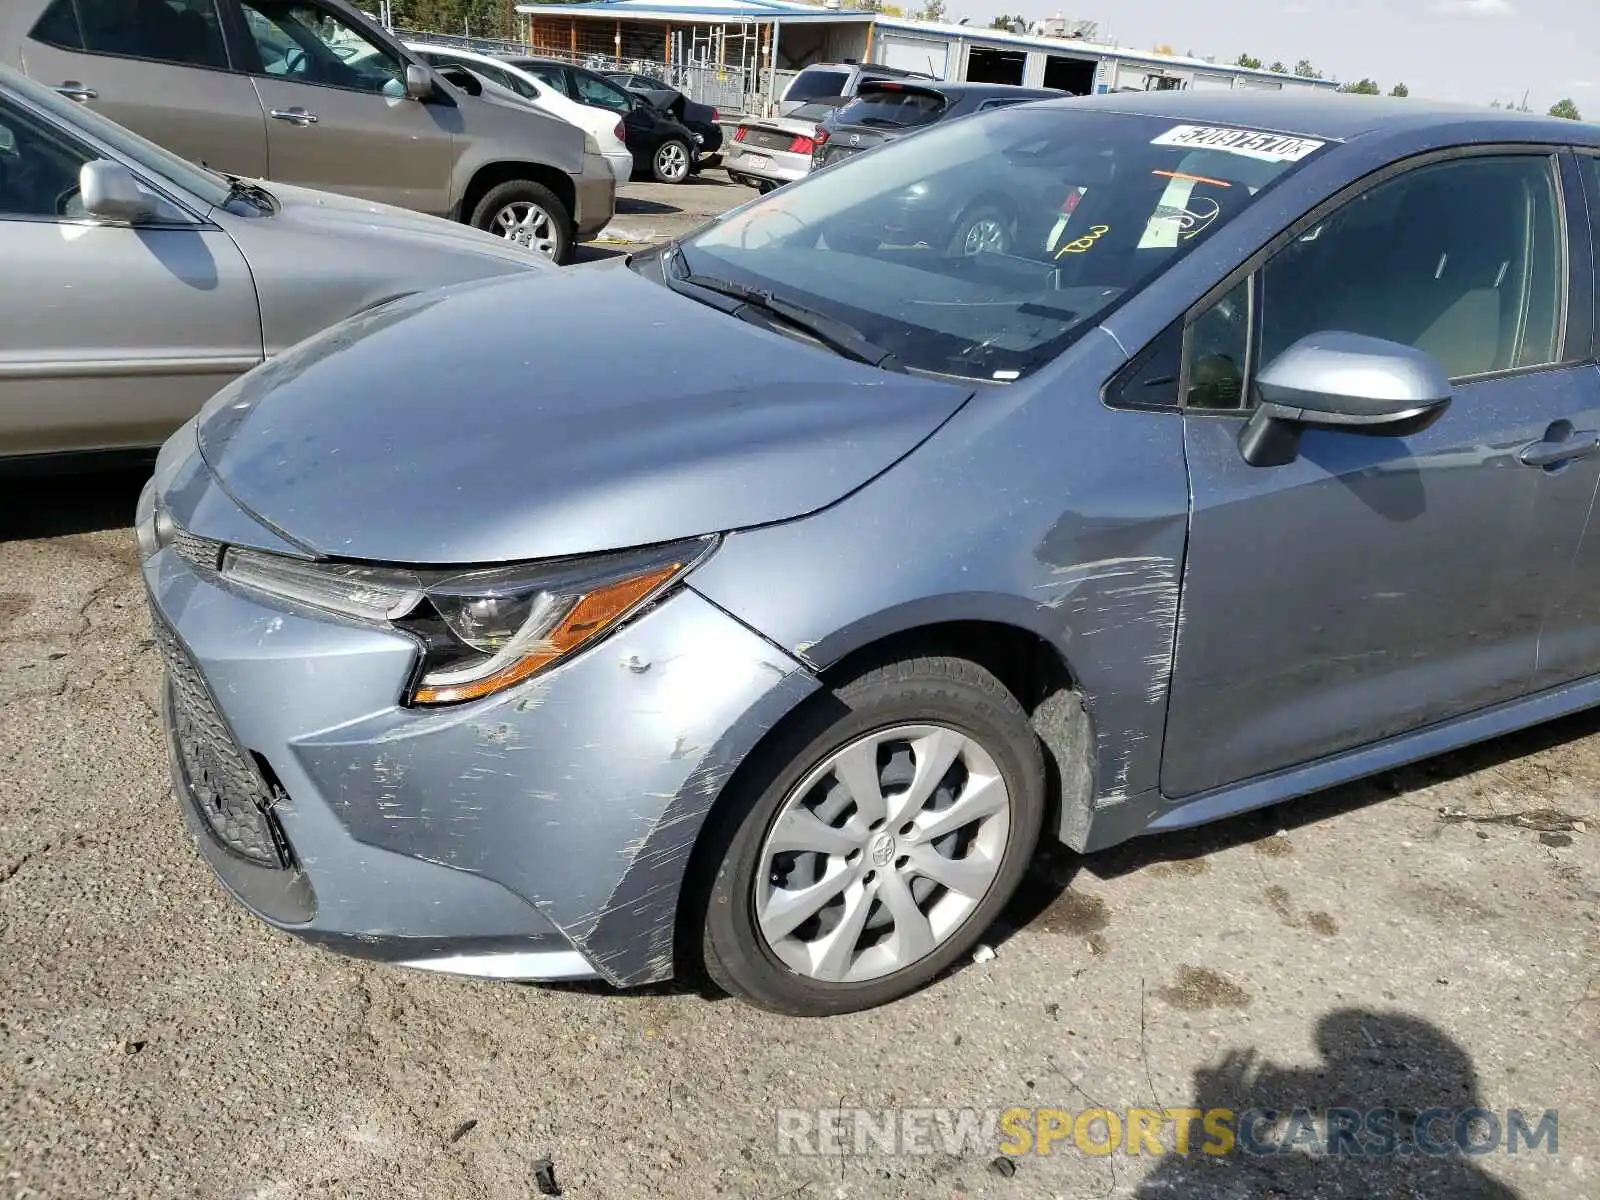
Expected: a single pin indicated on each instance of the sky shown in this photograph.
(1467, 51)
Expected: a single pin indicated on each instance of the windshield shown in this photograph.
(809, 84)
(892, 104)
(163, 164)
(984, 247)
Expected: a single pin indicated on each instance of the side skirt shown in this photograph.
(1153, 813)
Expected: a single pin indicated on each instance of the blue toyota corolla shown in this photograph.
(763, 601)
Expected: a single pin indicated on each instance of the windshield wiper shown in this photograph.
(839, 336)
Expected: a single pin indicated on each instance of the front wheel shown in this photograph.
(892, 822)
(671, 161)
(529, 214)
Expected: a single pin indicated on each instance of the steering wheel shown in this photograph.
(294, 61)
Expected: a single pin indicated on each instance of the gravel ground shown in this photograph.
(1368, 946)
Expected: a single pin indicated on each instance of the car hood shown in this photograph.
(322, 215)
(550, 414)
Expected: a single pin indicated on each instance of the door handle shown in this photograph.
(295, 115)
(73, 90)
(1579, 444)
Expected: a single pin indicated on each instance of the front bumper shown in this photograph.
(543, 833)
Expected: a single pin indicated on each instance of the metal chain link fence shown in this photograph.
(684, 59)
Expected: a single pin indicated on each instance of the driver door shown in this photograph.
(338, 117)
(1377, 585)
(120, 334)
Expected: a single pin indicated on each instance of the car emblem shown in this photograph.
(855, 139)
(882, 850)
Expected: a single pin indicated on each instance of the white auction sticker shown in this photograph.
(1268, 147)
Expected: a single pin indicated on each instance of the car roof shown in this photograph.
(960, 91)
(1334, 116)
(437, 48)
(868, 69)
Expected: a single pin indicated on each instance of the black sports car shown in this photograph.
(660, 143)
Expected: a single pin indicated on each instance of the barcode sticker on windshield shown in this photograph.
(1267, 147)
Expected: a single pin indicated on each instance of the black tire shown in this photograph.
(990, 215)
(658, 170)
(948, 691)
(525, 191)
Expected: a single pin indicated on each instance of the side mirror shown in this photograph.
(419, 84)
(1345, 382)
(109, 191)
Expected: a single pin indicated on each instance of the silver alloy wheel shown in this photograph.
(672, 161)
(986, 235)
(879, 855)
(524, 222)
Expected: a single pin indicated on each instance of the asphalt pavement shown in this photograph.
(1429, 939)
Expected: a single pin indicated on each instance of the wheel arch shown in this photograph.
(1018, 653)
(491, 175)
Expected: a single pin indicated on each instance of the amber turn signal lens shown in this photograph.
(595, 612)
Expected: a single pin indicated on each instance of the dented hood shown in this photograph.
(552, 413)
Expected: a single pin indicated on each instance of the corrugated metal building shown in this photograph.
(741, 54)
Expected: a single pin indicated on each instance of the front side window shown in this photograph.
(1218, 353)
(518, 83)
(1462, 259)
(38, 168)
(1086, 207)
(185, 32)
(304, 43)
(596, 91)
(892, 105)
(546, 73)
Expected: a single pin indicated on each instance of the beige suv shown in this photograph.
(311, 92)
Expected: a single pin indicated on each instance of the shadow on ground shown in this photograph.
(634, 206)
(1392, 1109)
(38, 502)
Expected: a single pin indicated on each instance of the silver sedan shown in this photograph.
(152, 281)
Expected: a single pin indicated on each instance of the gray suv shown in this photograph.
(311, 92)
(840, 80)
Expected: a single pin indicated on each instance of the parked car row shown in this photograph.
(767, 152)
(153, 281)
(313, 93)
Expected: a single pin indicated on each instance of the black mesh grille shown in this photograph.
(225, 785)
(196, 551)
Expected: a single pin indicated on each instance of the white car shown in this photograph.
(599, 123)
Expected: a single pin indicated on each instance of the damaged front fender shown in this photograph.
(583, 791)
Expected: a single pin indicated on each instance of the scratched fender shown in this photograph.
(526, 791)
(1084, 548)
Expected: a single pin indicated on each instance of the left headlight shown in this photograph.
(481, 630)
